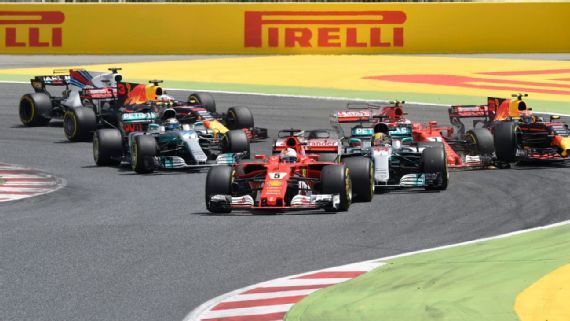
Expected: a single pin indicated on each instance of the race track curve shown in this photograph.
(113, 245)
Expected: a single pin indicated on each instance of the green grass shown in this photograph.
(468, 283)
(538, 105)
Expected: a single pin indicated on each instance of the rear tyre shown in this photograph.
(34, 109)
(335, 179)
(107, 147)
(203, 99)
(218, 182)
(235, 141)
(362, 177)
(481, 141)
(79, 124)
(505, 141)
(435, 162)
(239, 117)
(143, 152)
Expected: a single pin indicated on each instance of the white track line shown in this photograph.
(270, 295)
(246, 311)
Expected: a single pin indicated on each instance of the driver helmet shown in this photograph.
(288, 155)
(527, 117)
(171, 124)
(379, 139)
(355, 142)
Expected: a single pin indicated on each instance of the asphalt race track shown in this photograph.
(113, 245)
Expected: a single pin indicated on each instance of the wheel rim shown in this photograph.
(472, 142)
(193, 100)
(27, 111)
(70, 125)
(231, 118)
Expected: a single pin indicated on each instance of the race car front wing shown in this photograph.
(299, 202)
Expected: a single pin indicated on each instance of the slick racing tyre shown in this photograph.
(506, 141)
(203, 99)
(435, 162)
(79, 124)
(218, 182)
(235, 141)
(143, 151)
(35, 109)
(335, 179)
(480, 141)
(362, 176)
(239, 117)
(107, 147)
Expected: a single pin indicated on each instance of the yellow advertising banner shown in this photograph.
(284, 28)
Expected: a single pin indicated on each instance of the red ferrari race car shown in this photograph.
(518, 134)
(291, 180)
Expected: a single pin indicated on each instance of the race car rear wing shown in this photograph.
(484, 114)
(39, 83)
(359, 112)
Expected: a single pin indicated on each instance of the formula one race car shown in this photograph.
(292, 180)
(86, 90)
(166, 144)
(387, 141)
(470, 149)
(81, 122)
(323, 142)
(277, 186)
(519, 135)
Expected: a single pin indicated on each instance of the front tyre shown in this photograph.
(107, 147)
(143, 152)
(235, 141)
(79, 124)
(435, 162)
(218, 182)
(335, 179)
(362, 176)
(506, 142)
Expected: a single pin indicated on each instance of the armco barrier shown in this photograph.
(253, 28)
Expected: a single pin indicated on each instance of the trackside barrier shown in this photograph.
(284, 28)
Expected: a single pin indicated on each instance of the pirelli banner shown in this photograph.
(291, 28)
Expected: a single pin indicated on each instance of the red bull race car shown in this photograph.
(135, 97)
(518, 134)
